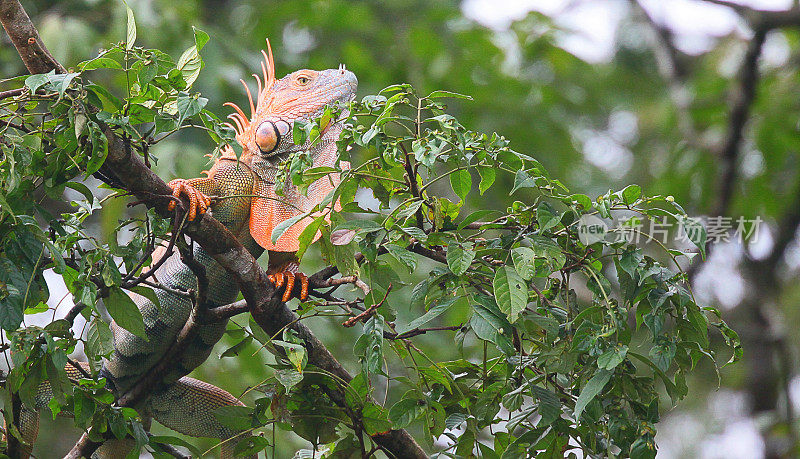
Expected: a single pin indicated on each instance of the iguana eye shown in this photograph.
(303, 80)
(267, 137)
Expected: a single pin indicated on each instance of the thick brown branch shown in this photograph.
(26, 39)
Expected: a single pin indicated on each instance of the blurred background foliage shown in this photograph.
(594, 125)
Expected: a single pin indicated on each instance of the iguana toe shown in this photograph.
(288, 280)
(198, 202)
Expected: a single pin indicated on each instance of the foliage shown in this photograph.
(576, 337)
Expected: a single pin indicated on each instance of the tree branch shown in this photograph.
(742, 99)
(267, 309)
(25, 37)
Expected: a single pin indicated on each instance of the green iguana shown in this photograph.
(251, 212)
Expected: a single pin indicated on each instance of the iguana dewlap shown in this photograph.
(246, 203)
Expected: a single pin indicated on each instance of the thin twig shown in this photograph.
(368, 313)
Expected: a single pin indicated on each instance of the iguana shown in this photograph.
(246, 202)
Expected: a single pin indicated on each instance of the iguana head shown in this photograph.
(300, 95)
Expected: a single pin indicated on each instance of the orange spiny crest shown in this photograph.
(263, 99)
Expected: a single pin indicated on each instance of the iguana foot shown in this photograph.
(198, 202)
(286, 276)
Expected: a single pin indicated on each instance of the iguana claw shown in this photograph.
(198, 202)
(287, 279)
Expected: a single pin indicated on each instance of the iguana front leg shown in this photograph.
(284, 267)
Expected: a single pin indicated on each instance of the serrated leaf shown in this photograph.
(510, 291)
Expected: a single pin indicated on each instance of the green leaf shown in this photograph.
(461, 182)
(696, 232)
(375, 419)
(612, 357)
(547, 216)
(281, 227)
(189, 64)
(438, 309)
(406, 410)
(459, 258)
(288, 378)
(308, 235)
(100, 339)
(234, 417)
(631, 193)
(200, 38)
(131, 36)
(250, 446)
(447, 94)
(170, 440)
(593, 387)
(125, 313)
(524, 261)
(189, 105)
(511, 292)
(35, 82)
(662, 355)
(549, 405)
(630, 259)
(489, 324)
(237, 348)
(487, 178)
(61, 82)
(475, 216)
(402, 255)
(100, 62)
(373, 332)
(522, 180)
